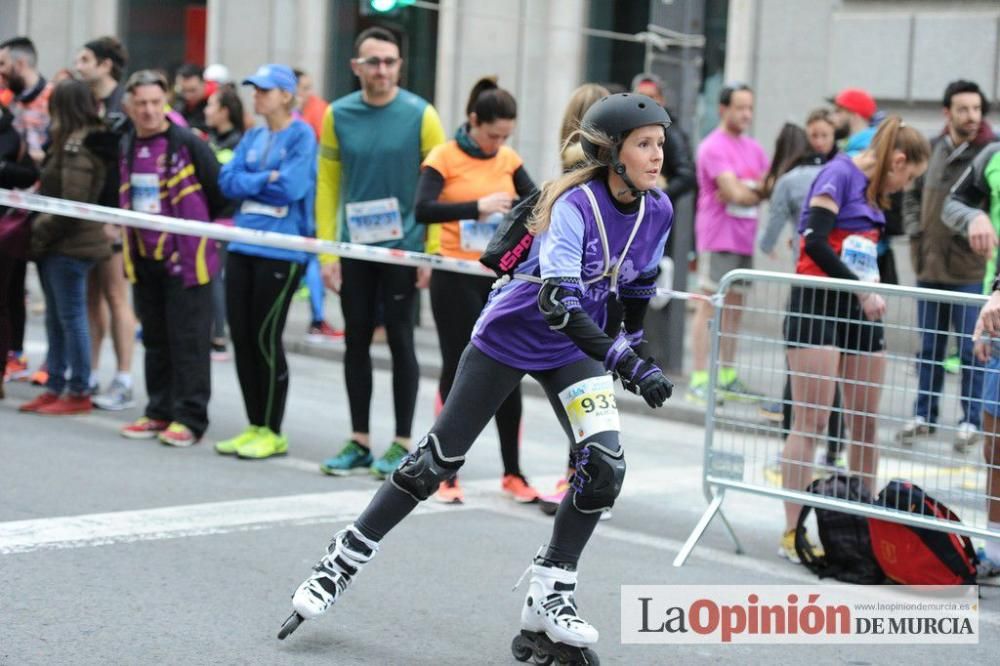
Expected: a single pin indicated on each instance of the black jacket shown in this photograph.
(678, 167)
(17, 169)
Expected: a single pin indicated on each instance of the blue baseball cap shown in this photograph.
(268, 77)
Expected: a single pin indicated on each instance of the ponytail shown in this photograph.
(893, 135)
(490, 102)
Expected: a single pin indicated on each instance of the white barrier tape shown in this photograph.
(174, 225)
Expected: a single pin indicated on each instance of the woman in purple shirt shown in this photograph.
(600, 232)
(836, 335)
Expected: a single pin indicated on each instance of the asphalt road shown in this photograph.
(121, 552)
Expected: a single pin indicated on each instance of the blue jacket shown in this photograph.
(284, 206)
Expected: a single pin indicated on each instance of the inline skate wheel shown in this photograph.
(289, 625)
(520, 647)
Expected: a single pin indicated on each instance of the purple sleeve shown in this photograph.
(560, 252)
(831, 182)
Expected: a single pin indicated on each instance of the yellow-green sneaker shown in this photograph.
(389, 461)
(227, 447)
(265, 445)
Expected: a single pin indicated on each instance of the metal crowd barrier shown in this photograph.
(744, 446)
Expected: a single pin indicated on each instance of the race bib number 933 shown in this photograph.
(591, 407)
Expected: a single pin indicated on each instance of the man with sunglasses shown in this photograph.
(371, 146)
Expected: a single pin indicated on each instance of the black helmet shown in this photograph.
(616, 115)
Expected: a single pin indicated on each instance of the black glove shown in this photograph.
(648, 381)
(638, 376)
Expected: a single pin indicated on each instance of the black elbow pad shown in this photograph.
(558, 299)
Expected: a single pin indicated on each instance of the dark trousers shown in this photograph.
(64, 282)
(456, 301)
(176, 332)
(481, 386)
(14, 300)
(935, 320)
(258, 293)
(6, 276)
(367, 284)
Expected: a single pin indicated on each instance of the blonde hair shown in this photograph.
(541, 216)
(892, 135)
(582, 99)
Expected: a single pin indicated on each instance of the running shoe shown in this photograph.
(40, 377)
(117, 397)
(698, 395)
(389, 461)
(449, 492)
(219, 352)
(352, 459)
(952, 365)
(967, 437)
(16, 368)
(787, 547)
(38, 402)
(518, 489)
(916, 428)
(549, 504)
(738, 391)
(772, 410)
(322, 333)
(267, 444)
(227, 447)
(179, 435)
(143, 428)
(67, 405)
(987, 569)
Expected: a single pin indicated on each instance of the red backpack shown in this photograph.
(918, 555)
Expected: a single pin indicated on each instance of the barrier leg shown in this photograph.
(714, 507)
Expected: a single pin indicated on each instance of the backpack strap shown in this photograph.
(803, 549)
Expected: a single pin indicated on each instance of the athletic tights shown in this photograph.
(258, 293)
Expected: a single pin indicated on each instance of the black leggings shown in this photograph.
(456, 301)
(258, 293)
(15, 303)
(481, 386)
(365, 285)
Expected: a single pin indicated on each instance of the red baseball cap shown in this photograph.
(857, 101)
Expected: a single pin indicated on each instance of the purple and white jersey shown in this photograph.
(511, 329)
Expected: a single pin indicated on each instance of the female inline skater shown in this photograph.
(599, 234)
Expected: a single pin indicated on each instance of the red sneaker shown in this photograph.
(549, 504)
(449, 492)
(322, 332)
(16, 367)
(40, 401)
(143, 428)
(517, 487)
(40, 377)
(67, 405)
(178, 434)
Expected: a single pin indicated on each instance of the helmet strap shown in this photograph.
(619, 168)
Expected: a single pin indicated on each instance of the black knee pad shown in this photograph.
(423, 470)
(598, 478)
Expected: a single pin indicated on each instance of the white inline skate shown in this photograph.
(346, 555)
(551, 629)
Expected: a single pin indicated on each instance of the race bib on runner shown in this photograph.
(249, 207)
(145, 192)
(374, 221)
(590, 406)
(860, 255)
(475, 235)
